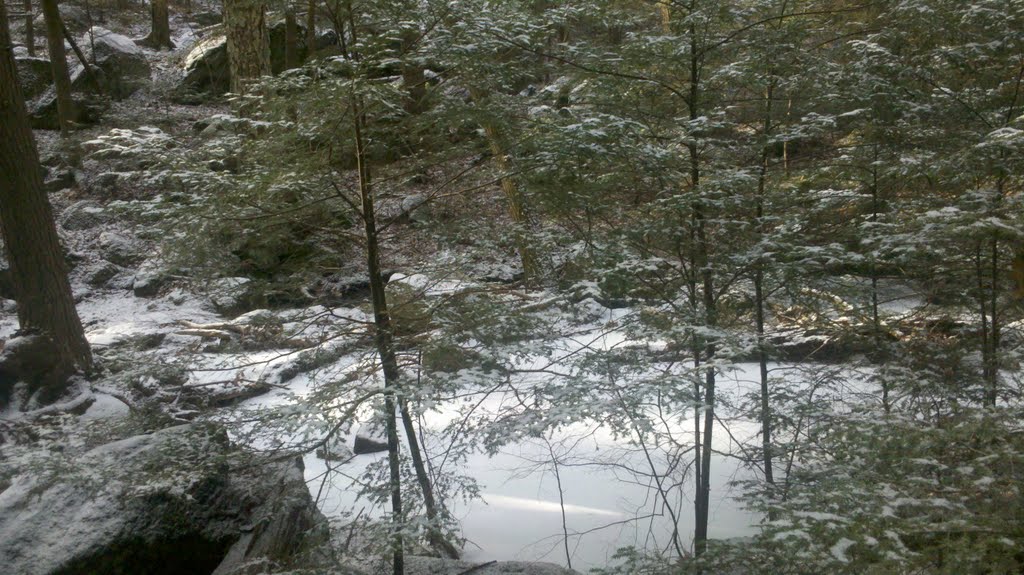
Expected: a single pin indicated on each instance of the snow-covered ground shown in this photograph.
(604, 486)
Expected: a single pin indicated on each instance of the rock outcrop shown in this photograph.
(206, 66)
(180, 500)
(121, 63)
(35, 76)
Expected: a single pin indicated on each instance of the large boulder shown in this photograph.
(75, 19)
(122, 64)
(43, 110)
(180, 500)
(35, 75)
(206, 66)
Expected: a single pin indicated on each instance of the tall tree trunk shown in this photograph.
(160, 28)
(248, 42)
(413, 78)
(703, 495)
(291, 39)
(876, 322)
(66, 113)
(311, 30)
(38, 268)
(30, 32)
(515, 202)
(384, 339)
(759, 296)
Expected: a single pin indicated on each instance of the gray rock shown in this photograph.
(207, 18)
(118, 249)
(121, 63)
(231, 296)
(149, 280)
(326, 40)
(84, 215)
(75, 18)
(43, 110)
(370, 439)
(176, 498)
(415, 208)
(206, 66)
(35, 75)
(59, 180)
(105, 184)
(335, 449)
(103, 274)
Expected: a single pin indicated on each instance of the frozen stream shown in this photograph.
(609, 500)
(608, 496)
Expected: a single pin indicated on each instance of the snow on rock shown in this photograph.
(84, 215)
(230, 295)
(124, 143)
(35, 74)
(167, 499)
(150, 278)
(370, 439)
(124, 66)
(206, 66)
(105, 407)
(335, 449)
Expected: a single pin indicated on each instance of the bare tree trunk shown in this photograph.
(703, 495)
(160, 28)
(38, 269)
(413, 78)
(248, 42)
(66, 113)
(384, 339)
(311, 30)
(434, 535)
(30, 32)
(759, 299)
(291, 39)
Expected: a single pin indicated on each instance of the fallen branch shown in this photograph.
(219, 334)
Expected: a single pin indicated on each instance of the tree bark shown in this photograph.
(384, 339)
(160, 29)
(413, 78)
(699, 219)
(311, 30)
(248, 42)
(513, 197)
(291, 40)
(30, 32)
(38, 269)
(66, 112)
